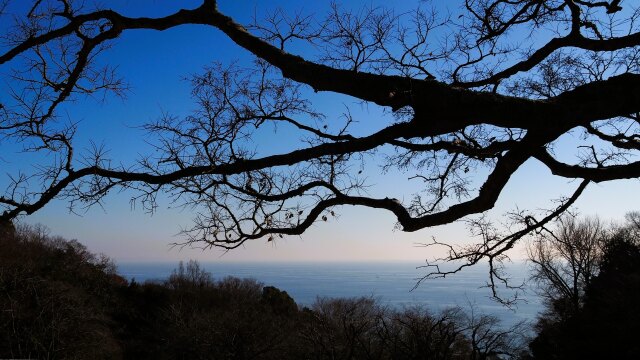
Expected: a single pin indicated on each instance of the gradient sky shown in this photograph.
(154, 65)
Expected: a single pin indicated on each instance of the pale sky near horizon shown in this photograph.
(154, 63)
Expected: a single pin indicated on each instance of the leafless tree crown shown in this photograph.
(484, 87)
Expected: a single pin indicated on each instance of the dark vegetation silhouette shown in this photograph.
(58, 301)
(55, 298)
(470, 94)
(592, 308)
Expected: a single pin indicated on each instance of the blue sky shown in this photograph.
(155, 64)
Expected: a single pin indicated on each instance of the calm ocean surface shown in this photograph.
(391, 283)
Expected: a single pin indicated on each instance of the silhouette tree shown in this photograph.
(606, 323)
(361, 328)
(479, 90)
(565, 260)
(54, 297)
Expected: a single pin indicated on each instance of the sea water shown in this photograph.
(391, 283)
